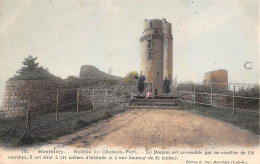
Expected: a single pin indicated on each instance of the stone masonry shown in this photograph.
(16, 96)
(156, 58)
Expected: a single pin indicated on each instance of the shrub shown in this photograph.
(130, 77)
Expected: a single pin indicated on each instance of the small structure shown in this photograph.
(218, 77)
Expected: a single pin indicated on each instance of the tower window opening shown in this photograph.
(149, 54)
(149, 49)
(151, 24)
(156, 31)
(149, 44)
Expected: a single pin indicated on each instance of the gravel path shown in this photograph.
(159, 128)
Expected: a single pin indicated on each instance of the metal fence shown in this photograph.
(236, 96)
(67, 104)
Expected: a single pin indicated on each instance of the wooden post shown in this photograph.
(78, 103)
(105, 99)
(29, 115)
(57, 104)
(132, 95)
(38, 99)
(115, 98)
(93, 101)
(181, 92)
(194, 95)
(211, 98)
(233, 105)
(28, 118)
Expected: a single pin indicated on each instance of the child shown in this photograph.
(149, 91)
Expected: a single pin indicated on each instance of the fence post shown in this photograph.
(29, 115)
(93, 102)
(194, 95)
(28, 120)
(181, 92)
(57, 104)
(211, 91)
(115, 98)
(105, 99)
(233, 106)
(132, 95)
(78, 103)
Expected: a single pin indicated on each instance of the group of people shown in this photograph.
(142, 85)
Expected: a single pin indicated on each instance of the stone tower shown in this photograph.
(219, 77)
(156, 58)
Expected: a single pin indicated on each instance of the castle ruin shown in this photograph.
(156, 58)
(217, 77)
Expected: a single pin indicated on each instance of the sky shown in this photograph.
(66, 34)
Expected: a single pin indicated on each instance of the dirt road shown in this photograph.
(159, 128)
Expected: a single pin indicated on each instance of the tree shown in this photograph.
(71, 79)
(130, 77)
(31, 70)
(29, 67)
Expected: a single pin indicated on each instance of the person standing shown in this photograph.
(140, 84)
(166, 86)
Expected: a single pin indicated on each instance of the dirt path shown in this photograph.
(159, 128)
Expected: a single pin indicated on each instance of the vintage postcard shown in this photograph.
(134, 81)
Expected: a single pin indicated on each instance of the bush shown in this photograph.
(130, 77)
(249, 92)
(203, 88)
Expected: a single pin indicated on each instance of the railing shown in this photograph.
(62, 107)
(236, 96)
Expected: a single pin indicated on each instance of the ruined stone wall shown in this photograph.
(115, 94)
(217, 76)
(16, 96)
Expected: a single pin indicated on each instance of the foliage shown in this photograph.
(73, 81)
(204, 88)
(31, 70)
(249, 92)
(124, 90)
(187, 86)
(76, 82)
(29, 67)
(130, 77)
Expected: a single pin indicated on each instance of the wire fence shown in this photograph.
(66, 104)
(236, 96)
(46, 108)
